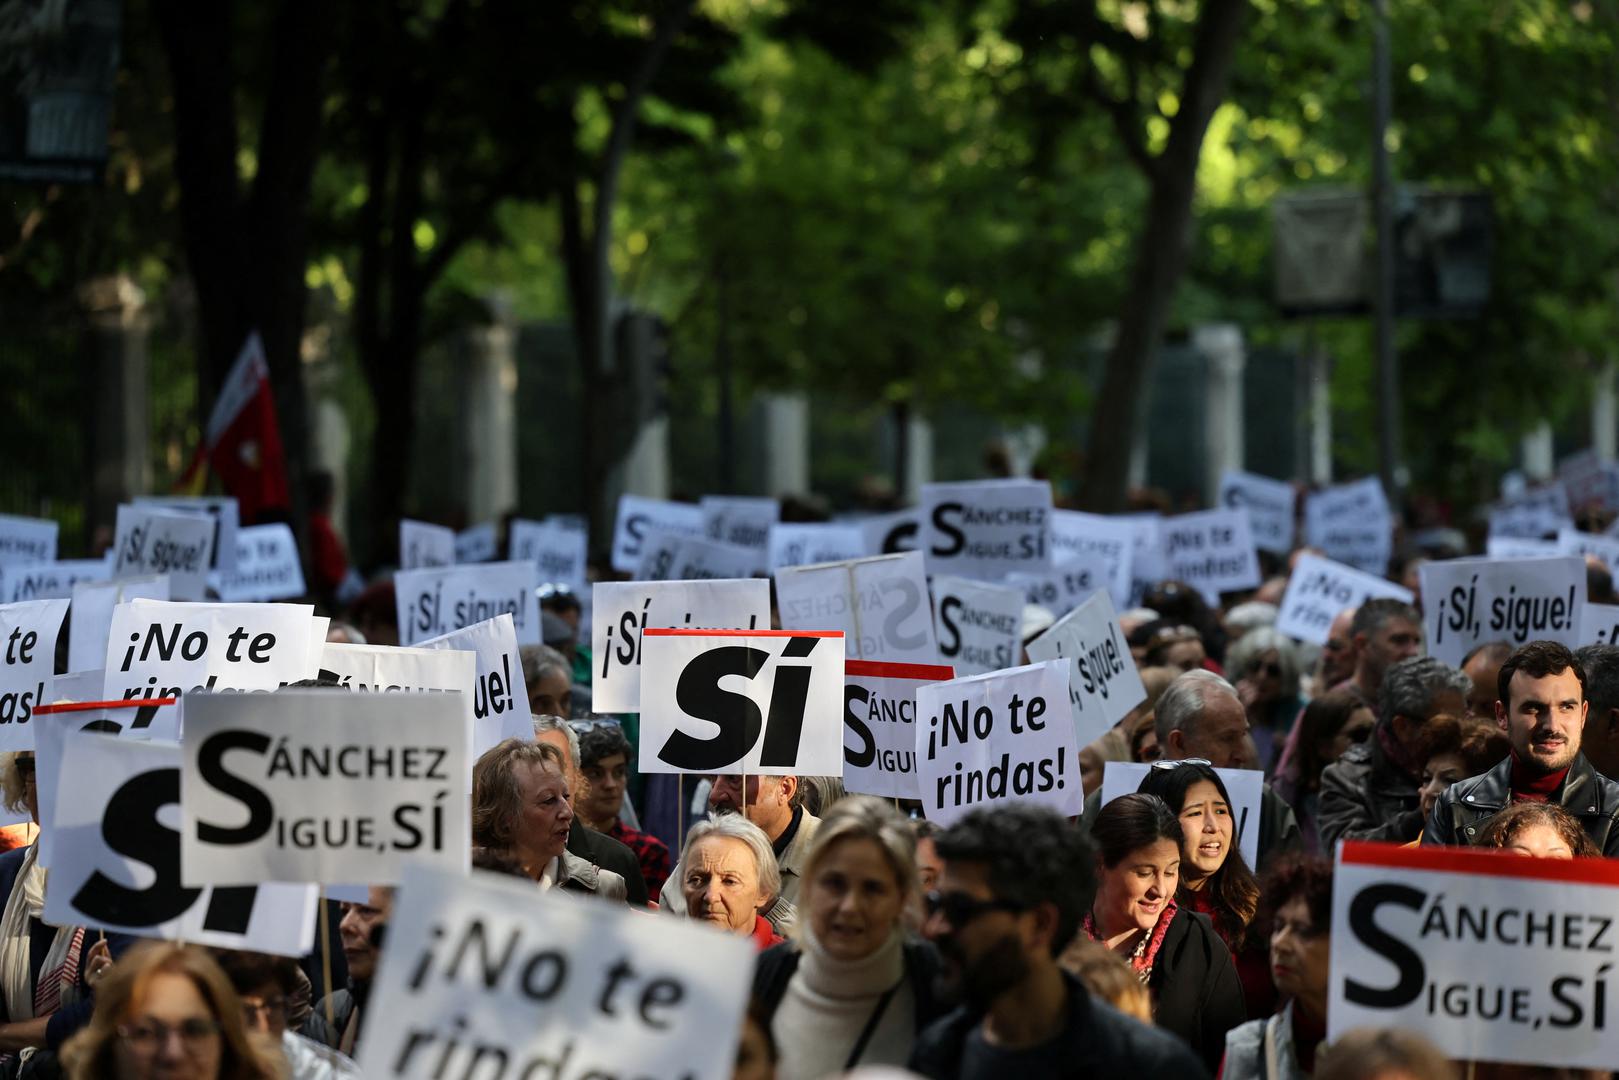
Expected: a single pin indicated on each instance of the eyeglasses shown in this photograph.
(1260, 667)
(1175, 763)
(959, 909)
(272, 1009)
(148, 1036)
(581, 726)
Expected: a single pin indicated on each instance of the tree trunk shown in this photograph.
(1158, 262)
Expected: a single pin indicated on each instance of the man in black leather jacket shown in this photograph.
(1542, 708)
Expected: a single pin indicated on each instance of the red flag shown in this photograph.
(243, 441)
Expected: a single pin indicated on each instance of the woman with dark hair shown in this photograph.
(1214, 878)
(1297, 901)
(1173, 950)
(1328, 726)
(1544, 830)
(1453, 749)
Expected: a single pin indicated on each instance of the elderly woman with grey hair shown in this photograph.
(1264, 666)
(728, 877)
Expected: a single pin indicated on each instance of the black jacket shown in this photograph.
(1365, 796)
(1195, 990)
(775, 967)
(609, 854)
(1466, 807)
(1098, 1041)
(1278, 827)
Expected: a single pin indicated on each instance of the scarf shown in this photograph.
(59, 974)
(1527, 787)
(1145, 954)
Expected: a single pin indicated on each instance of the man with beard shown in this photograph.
(1542, 709)
(1015, 883)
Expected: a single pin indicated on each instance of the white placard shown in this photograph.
(758, 701)
(161, 649)
(575, 989)
(1147, 566)
(621, 610)
(1591, 483)
(881, 605)
(893, 533)
(1103, 683)
(49, 581)
(28, 633)
(741, 521)
(1600, 625)
(1574, 542)
(1245, 786)
(879, 726)
(1065, 586)
(477, 544)
(154, 541)
(222, 510)
(1489, 956)
(93, 604)
(395, 669)
(432, 603)
(1470, 601)
(1081, 539)
(500, 693)
(322, 786)
(267, 566)
(986, 529)
(1270, 505)
(1532, 515)
(116, 860)
(556, 548)
(1212, 551)
(26, 540)
(806, 545)
(1514, 547)
(668, 556)
(423, 546)
(638, 516)
(1319, 589)
(979, 626)
(997, 738)
(1352, 523)
(52, 725)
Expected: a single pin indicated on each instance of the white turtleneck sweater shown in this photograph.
(828, 1003)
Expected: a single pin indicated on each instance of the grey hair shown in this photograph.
(1410, 687)
(1183, 701)
(1252, 615)
(543, 724)
(737, 827)
(542, 660)
(1256, 643)
(1601, 664)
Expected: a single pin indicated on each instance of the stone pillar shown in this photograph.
(646, 467)
(1318, 366)
(918, 458)
(1538, 461)
(489, 415)
(120, 457)
(786, 428)
(1604, 413)
(1221, 345)
(330, 435)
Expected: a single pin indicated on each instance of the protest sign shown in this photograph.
(1212, 551)
(423, 546)
(1532, 514)
(154, 541)
(476, 544)
(622, 611)
(880, 604)
(1270, 505)
(500, 693)
(1591, 483)
(322, 786)
(639, 516)
(395, 669)
(561, 989)
(1352, 523)
(266, 567)
(1573, 542)
(93, 604)
(1471, 601)
(1089, 539)
(222, 510)
(740, 521)
(1001, 737)
(695, 717)
(1489, 956)
(431, 603)
(49, 581)
(159, 649)
(556, 548)
(806, 545)
(891, 534)
(1515, 547)
(879, 717)
(116, 863)
(1319, 589)
(1245, 786)
(25, 540)
(979, 626)
(986, 529)
(1065, 586)
(667, 556)
(28, 633)
(1147, 563)
(1600, 625)
(1103, 683)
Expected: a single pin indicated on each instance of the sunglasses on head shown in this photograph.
(1175, 763)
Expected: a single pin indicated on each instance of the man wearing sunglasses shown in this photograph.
(1016, 880)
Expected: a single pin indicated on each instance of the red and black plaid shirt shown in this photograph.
(652, 853)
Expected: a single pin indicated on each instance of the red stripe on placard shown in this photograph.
(1489, 862)
(86, 706)
(682, 631)
(883, 669)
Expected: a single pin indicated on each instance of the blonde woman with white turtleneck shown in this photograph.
(855, 987)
